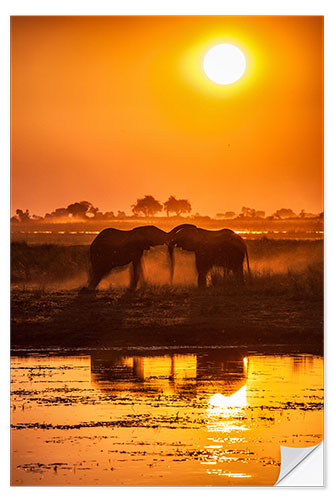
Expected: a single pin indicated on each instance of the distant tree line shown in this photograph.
(282, 213)
(148, 206)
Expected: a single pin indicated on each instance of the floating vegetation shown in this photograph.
(205, 416)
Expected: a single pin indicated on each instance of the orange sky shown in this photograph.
(108, 109)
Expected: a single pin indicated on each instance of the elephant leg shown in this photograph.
(226, 272)
(136, 273)
(95, 278)
(202, 276)
(202, 268)
(202, 279)
(171, 255)
(239, 274)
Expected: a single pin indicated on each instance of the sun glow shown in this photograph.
(218, 402)
(224, 64)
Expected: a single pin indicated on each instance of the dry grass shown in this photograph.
(308, 283)
(43, 265)
(279, 267)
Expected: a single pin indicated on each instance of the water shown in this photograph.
(207, 417)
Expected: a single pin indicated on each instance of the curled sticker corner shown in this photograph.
(291, 458)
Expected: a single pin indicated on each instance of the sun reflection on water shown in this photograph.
(198, 418)
(227, 404)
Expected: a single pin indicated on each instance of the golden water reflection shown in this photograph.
(214, 417)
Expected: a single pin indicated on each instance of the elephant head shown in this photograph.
(145, 237)
(183, 236)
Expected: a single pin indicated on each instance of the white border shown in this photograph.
(150, 7)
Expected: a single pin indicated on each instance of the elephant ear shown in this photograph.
(187, 238)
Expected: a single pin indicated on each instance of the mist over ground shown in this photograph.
(67, 267)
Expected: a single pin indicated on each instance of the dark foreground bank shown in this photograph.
(164, 316)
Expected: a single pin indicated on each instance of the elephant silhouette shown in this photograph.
(114, 248)
(222, 248)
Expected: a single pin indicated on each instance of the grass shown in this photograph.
(273, 261)
(45, 264)
(281, 304)
(308, 283)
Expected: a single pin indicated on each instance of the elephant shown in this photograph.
(222, 248)
(115, 248)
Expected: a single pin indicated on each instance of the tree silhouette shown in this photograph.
(94, 211)
(79, 209)
(284, 213)
(60, 212)
(121, 214)
(177, 206)
(108, 215)
(247, 212)
(148, 206)
(226, 215)
(252, 213)
(23, 216)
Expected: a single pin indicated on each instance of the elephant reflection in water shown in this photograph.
(206, 372)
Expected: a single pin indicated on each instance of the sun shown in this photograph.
(224, 64)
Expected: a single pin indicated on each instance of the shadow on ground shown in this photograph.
(163, 316)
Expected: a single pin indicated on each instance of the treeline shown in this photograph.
(148, 206)
(282, 213)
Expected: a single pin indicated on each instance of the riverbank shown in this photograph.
(166, 316)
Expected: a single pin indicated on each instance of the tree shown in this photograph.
(226, 215)
(22, 216)
(58, 213)
(284, 213)
(307, 215)
(108, 215)
(79, 209)
(148, 206)
(229, 215)
(252, 213)
(247, 212)
(121, 214)
(177, 206)
(94, 211)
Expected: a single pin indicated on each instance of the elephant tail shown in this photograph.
(248, 265)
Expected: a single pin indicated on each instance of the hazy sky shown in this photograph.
(108, 109)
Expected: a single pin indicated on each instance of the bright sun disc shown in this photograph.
(224, 63)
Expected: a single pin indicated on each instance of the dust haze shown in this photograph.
(54, 267)
(156, 267)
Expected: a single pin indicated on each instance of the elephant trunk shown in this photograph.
(171, 249)
(248, 266)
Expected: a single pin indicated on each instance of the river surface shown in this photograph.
(165, 418)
